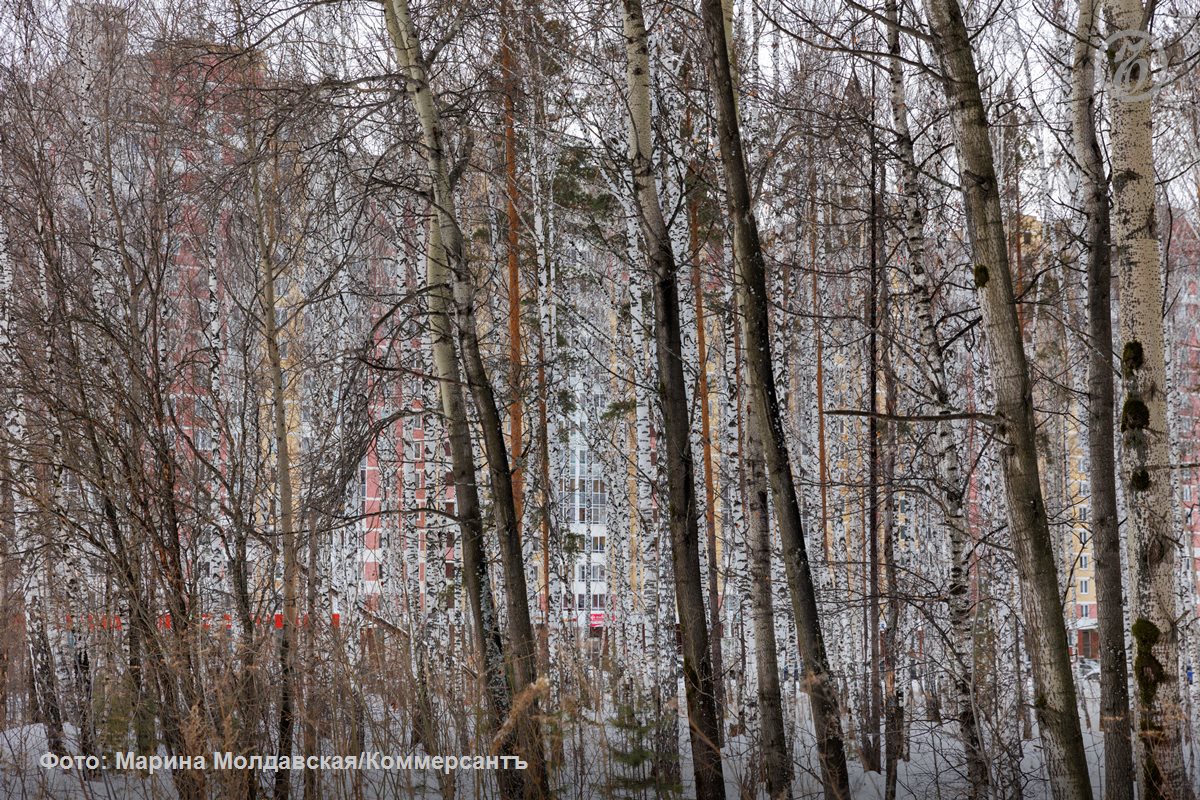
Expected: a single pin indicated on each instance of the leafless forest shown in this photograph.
(535, 399)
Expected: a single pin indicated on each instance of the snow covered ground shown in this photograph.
(931, 771)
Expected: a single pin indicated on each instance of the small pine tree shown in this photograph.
(638, 770)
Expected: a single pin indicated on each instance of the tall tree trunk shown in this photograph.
(283, 477)
(523, 646)
(710, 491)
(1145, 447)
(892, 695)
(1041, 603)
(692, 188)
(546, 496)
(752, 301)
(542, 288)
(466, 495)
(34, 563)
(893, 691)
(776, 758)
(676, 444)
(949, 460)
(819, 359)
(513, 231)
(873, 697)
(1106, 538)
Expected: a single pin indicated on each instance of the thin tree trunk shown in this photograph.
(776, 758)
(819, 358)
(677, 447)
(1106, 538)
(949, 460)
(716, 631)
(311, 707)
(523, 645)
(874, 698)
(283, 477)
(513, 231)
(893, 709)
(546, 496)
(752, 301)
(1041, 603)
(892, 698)
(466, 495)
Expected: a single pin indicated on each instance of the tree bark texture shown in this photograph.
(949, 459)
(680, 467)
(1055, 699)
(776, 758)
(523, 654)
(750, 270)
(1106, 538)
(1145, 447)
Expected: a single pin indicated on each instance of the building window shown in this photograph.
(1083, 586)
(1085, 611)
(583, 497)
(598, 601)
(583, 572)
(597, 572)
(1083, 560)
(582, 602)
(597, 544)
(1083, 537)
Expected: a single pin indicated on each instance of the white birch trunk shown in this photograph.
(1145, 447)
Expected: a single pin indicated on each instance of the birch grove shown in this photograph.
(495, 399)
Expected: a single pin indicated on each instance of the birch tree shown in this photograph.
(949, 460)
(764, 408)
(681, 487)
(1145, 448)
(524, 650)
(272, 315)
(1106, 539)
(1047, 639)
